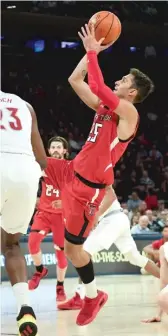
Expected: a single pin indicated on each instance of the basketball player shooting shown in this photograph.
(93, 171)
(22, 155)
(49, 219)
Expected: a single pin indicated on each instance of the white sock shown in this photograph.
(21, 292)
(80, 289)
(91, 289)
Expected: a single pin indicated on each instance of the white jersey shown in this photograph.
(165, 246)
(15, 124)
(113, 207)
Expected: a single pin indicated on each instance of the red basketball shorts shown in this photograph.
(45, 223)
(80, 204)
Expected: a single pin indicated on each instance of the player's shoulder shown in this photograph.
(57, 162)
(7, 95)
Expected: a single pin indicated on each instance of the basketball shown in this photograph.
(107, 25)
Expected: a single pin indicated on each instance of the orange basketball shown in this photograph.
(107, 25)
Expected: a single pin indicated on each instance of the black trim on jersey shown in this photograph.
(89, 183)
(76, 240)
(133, 135)
(130, 138)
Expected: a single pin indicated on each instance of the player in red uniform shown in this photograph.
(82, 195)
(49, 219)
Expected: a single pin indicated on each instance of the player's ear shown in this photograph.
(133, 92)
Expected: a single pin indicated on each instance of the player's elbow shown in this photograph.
(72, 80)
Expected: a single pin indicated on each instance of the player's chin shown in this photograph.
(56, 156)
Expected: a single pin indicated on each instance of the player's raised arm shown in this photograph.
(82, 89)
(138, 88)
(36, 140)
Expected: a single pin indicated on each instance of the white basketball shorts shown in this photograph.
(20, 176)
(114, 228)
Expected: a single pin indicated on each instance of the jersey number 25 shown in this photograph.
(9, 119)
(94, 132)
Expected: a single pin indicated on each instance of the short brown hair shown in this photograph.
(63, 141)
(143, 84)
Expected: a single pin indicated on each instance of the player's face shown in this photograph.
(57, 150)
(124, 87)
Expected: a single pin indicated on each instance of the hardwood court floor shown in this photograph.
(131, 298)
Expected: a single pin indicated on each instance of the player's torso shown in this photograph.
(49, 194)
(118, 146)
(15, 124)
(94, 160)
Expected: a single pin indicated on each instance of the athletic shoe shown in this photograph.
(73, 304)
(91, 308)
(26, 321)
(60, 294)
(36, 278)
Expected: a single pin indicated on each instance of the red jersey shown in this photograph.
(94, 160)
(52, 184)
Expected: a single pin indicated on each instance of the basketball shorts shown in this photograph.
(45, 223)
(114, 228)
(20, 176)
(80, 204)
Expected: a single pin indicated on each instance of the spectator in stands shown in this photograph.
(146, 180)
(155, 223)
(151, 199)
(154, 153)
(142, 208)
(164, 186)
(142, 226)
(135, 220)
(133, 202)
(152, 250)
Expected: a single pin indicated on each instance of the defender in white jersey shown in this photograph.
(22, 157)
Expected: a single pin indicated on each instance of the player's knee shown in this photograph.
(135, 258)
(61, 259)
(72, 251)
(34, 242)
(9, 246)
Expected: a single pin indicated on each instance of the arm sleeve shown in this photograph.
(155, 245)
(97, 85)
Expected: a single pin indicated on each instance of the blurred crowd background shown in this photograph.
(141, 176)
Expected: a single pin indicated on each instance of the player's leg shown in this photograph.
(79, 222)
(126, 245)
(58, 230)
(16, 213)
(40, 228)
(75, 303)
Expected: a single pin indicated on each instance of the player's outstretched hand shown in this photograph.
(152, 320)
(87, 36)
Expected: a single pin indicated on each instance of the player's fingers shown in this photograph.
(87, 29)
(83, 32)
(93, 29)
(81, 36)
(101, 40)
